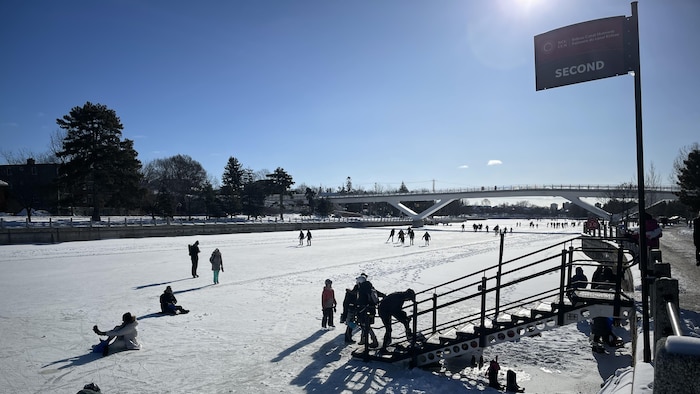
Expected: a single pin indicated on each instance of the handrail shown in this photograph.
(673, 317)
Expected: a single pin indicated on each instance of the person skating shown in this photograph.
(194, 256)
(217, 264)
(124, 335)
(168, 303)
(308, 237)
(392, 306)
(391, 235)
(301, 237)
(328, 304)
(426, 237)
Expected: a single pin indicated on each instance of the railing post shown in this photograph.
(482, 318)
(618, 282)
(562, 288)
(498, 279)
(434, 313)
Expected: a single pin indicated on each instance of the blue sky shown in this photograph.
(383, 92)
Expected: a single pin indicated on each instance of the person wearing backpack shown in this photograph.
(194, 256)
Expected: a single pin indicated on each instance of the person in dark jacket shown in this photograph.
(194, 256)
(168, 303)
(392, 306)
(366, 309)
(580, 280)
(348, 314)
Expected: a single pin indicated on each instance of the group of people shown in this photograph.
(125, 335)
(361, 304)
(411, 235)
(302, 237)
(217, 263)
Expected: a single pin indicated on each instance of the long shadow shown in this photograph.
(689, 318)
(160, 284)
(286, 352)
(193, 289)
(610, 361)
(75, 361)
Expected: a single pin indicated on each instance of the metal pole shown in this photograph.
(498, 279)
(643, 256)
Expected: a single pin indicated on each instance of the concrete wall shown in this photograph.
(45, 235)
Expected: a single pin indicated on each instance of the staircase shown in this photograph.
(441, 336)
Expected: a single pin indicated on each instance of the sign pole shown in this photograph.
(643, 253)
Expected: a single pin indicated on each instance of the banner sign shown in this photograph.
(581, 52)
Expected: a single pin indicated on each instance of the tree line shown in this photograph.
(99, 169)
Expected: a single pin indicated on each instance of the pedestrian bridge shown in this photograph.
(572, 193)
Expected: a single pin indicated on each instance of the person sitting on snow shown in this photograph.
(124, 333)
(168, 301)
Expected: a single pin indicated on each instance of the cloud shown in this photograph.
(463, 166)
(494, 163)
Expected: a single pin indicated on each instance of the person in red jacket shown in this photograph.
(328, 304)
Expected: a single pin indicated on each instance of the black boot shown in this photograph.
(348, 335)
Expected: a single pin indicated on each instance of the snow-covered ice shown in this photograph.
(259, 330)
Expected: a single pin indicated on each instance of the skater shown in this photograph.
(696, 239)
(492, 373)
(124, 333)
(328, 304)
(194, 256)
(367, 300)
(426, 237)
(391, 236)
(392, 306)
(402, 236)
(217, 264)
(411, 236)
(308, 237)
(348, 316)
(301, 237)
(168, 303)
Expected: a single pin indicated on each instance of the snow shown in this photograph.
(259, 330)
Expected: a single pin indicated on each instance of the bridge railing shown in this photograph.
(527, 187)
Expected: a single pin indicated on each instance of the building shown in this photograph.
(29, 185)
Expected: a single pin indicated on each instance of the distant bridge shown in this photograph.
(572, 193)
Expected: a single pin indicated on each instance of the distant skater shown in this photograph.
(411, 235)
(217, 264)
(194, 256)
(426, 237)
(308, 237)
(301, 237)
(402, 237)
(391, 235)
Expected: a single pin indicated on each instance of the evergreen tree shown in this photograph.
(310, 194)
(280, 182)
(253, 197)
(232, 180)
(688, 174)
(98, 167)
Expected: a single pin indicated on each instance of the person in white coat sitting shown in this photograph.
(126, 335)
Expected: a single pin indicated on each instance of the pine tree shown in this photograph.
(281, 182)
(688, 175)
(99, 168)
